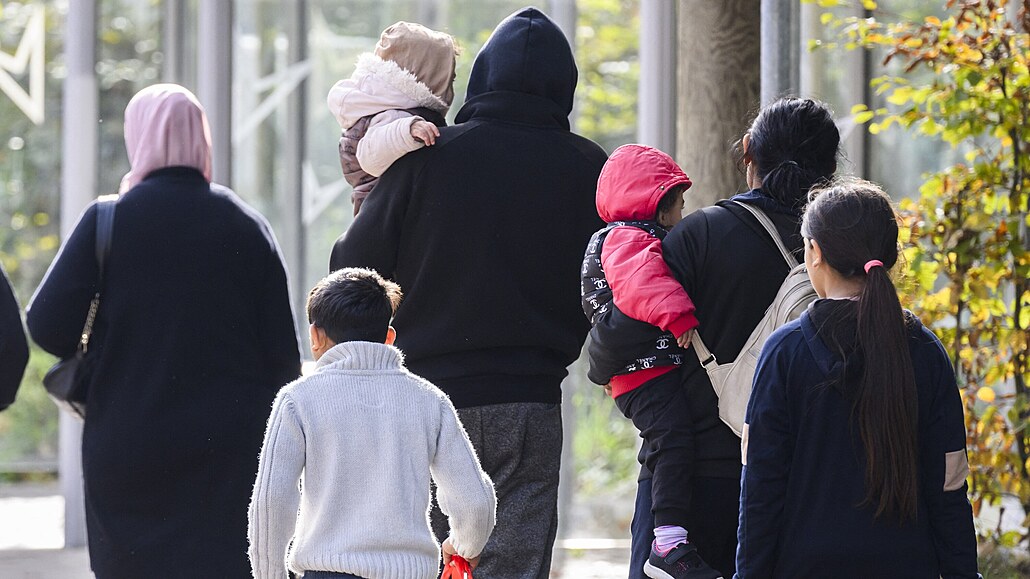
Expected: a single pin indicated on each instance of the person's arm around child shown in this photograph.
(465, 493)
(642, 284)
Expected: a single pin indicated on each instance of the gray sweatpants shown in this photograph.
(519, 446)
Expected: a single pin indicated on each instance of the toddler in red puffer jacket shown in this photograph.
(642, 319)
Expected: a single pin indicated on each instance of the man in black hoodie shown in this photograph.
(485, 232)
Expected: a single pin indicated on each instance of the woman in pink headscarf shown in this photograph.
(194, 337)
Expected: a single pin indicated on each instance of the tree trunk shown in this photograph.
(718, 92)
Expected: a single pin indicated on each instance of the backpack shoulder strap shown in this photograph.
(704, 355)
(767, 224)
(105, 227)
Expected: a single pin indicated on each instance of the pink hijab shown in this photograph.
(165, 126)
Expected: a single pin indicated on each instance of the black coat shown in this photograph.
(485, 230)
(731, 268)
(14, 351)
(196, 336)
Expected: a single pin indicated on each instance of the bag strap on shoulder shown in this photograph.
(105, 227)
(767, 224)
(704, 355)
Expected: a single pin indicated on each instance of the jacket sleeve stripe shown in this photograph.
(743, 444)
(956, 470)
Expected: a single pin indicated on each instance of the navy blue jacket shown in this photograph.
(195, 336)
(804, 470)
(485, 230)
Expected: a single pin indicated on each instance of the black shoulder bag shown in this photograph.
(67, 381)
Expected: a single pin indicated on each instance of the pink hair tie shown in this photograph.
(871, 264)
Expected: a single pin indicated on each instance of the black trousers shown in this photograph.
(714, 512)
(659, 410)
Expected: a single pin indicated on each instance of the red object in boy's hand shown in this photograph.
(458, 568)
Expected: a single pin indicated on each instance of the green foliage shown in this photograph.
(609, 69)
(967, 232)
(28, 428)
(29, 163)
(604, 444)
(1001, 564)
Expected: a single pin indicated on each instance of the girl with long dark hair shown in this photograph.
(854, 447)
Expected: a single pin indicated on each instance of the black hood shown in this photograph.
(527, 53)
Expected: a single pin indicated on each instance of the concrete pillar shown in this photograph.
(718, 92)
(432, 13)
(780, 48)
(564, 14)
(79, 145)
(656, 101)
(811, 78)
(173, 41)
(294, 151)
(214, 81)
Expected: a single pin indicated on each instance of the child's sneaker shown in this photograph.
(682, 562)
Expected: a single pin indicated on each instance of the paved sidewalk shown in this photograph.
(31, 541)
(74, 564)
(44, 564)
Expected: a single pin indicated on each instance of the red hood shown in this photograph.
(633, 181)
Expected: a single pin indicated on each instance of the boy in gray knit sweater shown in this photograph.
(361, 436)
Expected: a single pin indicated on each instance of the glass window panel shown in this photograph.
(895, 158)
(30, 189)
(128, 58)
(132, 52)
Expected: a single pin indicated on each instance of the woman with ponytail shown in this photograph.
(854, 447)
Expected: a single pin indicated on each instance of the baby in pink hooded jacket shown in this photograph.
(393, 102)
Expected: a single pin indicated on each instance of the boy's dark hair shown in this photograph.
(669, 199)
(353, 304)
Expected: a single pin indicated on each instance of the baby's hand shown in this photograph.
(684, 340)
(425, 131)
